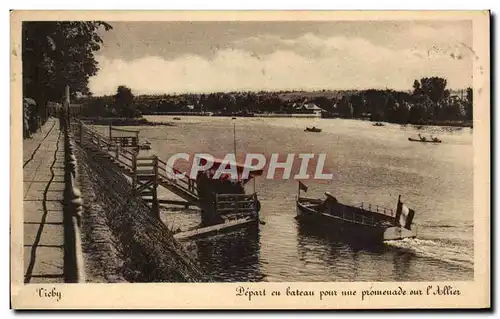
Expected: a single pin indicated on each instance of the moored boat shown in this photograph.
(223, 199)
(370, 222)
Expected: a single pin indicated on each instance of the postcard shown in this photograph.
(250, 159)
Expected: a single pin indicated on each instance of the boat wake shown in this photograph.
(446, 252)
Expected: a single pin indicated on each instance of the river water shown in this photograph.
(369, 164)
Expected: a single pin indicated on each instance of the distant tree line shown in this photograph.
(430, 102)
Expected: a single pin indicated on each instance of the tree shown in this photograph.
(469, 94)
(124, 96)
(345, 108)
(429, 96)
(416, 88)
(358, 105)
(323, 102)
(469, 106)
(56, 54)
(124, 102)
(377, 103)
(434, 88)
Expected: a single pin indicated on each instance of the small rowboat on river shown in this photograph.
(435, 140)
(146, 145)
(312, 129)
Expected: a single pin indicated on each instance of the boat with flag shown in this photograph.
(366, 221)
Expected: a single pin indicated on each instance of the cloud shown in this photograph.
(444, 34)
(307, 62)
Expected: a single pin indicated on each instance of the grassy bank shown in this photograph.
(121, 240)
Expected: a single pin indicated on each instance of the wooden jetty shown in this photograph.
(215, 229)
(149, 172)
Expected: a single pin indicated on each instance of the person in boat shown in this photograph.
(422, 138)
(434, 139)
(328, 203)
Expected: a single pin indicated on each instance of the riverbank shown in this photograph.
(119, 121)
(444, 123)
(122, 121)
(121, 241)
(451, 123)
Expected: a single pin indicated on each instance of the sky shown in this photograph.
(202, 57)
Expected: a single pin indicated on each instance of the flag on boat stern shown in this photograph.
(404, 215)
(302, 186)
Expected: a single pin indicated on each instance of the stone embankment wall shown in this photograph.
(121, 241)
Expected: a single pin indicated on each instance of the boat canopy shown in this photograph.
(216, 162)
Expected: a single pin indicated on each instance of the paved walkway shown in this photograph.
(43, 186)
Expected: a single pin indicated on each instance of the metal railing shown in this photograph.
(227, 203)
(376, 209)
(73, 206)
(357, 218)
(186, 183)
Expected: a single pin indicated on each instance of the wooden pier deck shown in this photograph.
(215, 229)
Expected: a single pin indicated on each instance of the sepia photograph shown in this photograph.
(215, 149)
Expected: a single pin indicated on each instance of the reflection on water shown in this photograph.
(348, 258)
(333, 239)
(230, 257)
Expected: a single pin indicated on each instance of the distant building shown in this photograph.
(310, 108)
(460, 94)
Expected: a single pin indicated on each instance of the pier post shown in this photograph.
(155, 205)
(117, 153)
(137, 141)
(134, 169)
